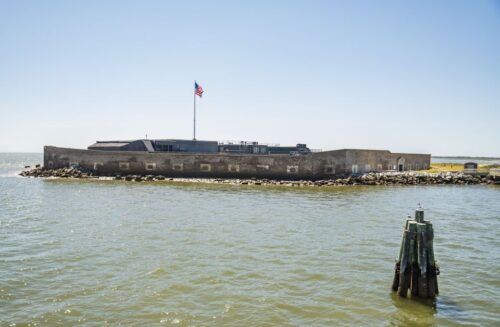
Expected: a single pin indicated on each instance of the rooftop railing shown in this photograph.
(232, 142)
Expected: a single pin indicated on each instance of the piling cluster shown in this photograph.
(383, 178)
(416, 270)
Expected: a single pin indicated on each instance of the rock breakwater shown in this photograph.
(383, 178)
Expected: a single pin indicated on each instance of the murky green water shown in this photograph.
(91, 253)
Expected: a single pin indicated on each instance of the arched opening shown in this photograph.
(401, 164)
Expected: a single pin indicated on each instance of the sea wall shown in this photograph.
(311, 166)
(182, 164)
(359, 161)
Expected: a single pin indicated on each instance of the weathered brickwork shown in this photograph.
(310, 166)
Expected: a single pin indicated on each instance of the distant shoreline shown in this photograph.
(465, 157)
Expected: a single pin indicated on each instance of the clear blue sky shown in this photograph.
(419, 76)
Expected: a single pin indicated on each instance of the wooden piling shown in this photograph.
(433, 270)
(422, 260)
(404, 272)
(397, 268)
(412, 230)
(416, 268)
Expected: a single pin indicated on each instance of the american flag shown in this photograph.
(198, 90)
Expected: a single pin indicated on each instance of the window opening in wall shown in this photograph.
(401, 164)
(123, 165)
(165, 147)
(329, 170)
(205, 167)
(354, 169)
(233, 168)
(177, 167)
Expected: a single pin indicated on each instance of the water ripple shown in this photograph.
(114, 253)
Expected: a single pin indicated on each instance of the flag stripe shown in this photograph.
(198, 90)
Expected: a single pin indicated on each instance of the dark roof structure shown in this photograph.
(197, 146)
(135, 145)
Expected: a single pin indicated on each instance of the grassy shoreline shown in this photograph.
(456, 167)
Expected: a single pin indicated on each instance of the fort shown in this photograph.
(196, 158)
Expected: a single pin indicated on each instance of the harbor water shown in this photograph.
(79, 252)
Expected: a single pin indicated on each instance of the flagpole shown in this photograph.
(194, 113)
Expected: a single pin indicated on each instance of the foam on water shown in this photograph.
(11, 164)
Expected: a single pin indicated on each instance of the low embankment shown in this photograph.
(438, 167)
(383, 178)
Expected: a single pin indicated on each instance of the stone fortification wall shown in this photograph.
(412, 161)
(363, 161)
(182, 164)
(311, 166)
(357, 161)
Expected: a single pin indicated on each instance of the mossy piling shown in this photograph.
(416, 270)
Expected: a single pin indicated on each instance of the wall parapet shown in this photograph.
(312, 166)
